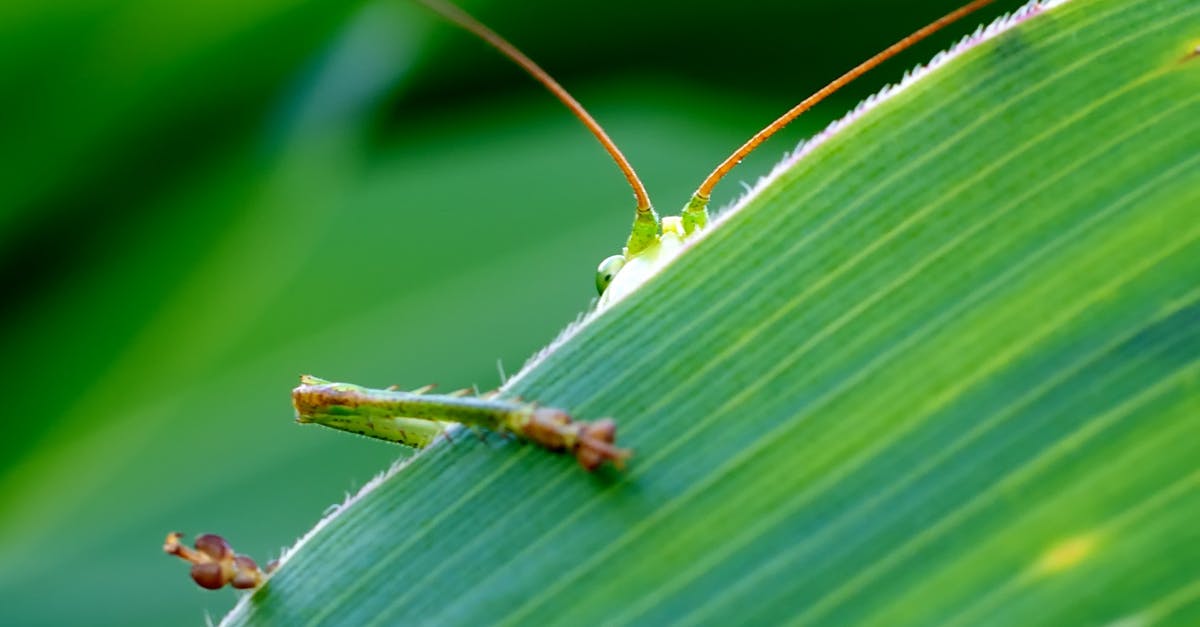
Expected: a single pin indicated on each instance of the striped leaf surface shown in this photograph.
(942, 369)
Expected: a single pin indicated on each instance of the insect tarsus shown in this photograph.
(215, 565)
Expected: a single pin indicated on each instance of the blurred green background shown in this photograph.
(203, 200)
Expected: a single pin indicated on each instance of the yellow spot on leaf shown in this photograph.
(1066, 554)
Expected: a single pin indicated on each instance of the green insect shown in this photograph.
(417, 418)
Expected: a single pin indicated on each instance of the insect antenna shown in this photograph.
(645, 221)
(695, 212)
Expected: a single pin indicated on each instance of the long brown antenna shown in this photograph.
(701, 196)
(470, 24)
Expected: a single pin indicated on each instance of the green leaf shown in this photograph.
(941, 369)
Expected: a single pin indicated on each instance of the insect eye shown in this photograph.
(607, 270)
